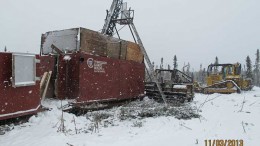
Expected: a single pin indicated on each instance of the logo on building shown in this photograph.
(90, 62)
(99, 66)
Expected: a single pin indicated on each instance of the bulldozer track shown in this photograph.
(222, 87)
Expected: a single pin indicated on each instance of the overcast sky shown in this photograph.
(195, 30)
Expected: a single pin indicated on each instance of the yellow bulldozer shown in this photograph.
(225, 79)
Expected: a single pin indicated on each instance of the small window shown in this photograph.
(24, 70)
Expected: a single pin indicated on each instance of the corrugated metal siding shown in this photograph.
(96, 85)
(99, 78)
(120, 80)
(67, 84)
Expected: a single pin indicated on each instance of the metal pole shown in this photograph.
(112, 15)
(117, 33)
(150, 66)
(132, 33)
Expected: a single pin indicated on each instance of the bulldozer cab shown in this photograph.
(219, 72)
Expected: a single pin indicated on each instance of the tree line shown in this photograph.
(249, 70)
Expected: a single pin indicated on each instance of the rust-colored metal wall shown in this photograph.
(94, 78)
(48, 64)
(104, 78)
(68, 76)
(18, 101)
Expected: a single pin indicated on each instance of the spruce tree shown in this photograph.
(216, 60)
(257, 69)
(161, 66)
(188, 69)
(200, 74)
(175, 64)
(204, 74)
(249, 73)
(183, 68)
(216, 63)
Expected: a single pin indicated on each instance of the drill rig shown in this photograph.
(157, 86)
(117, 9)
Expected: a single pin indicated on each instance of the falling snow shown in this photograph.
(67, 58)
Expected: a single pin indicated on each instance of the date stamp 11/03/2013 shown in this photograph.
(221, 142)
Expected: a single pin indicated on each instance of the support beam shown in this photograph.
(150, 66)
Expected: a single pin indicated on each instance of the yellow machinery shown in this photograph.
(226, 78)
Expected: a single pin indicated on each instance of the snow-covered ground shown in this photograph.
(227, 117)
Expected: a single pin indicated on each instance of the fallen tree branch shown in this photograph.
(185, 126)
(243, 126)
(252, 103)
(76, 130)
(69, 144)
(208, 101)
(242, 104)
(62, 120)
